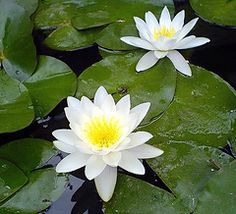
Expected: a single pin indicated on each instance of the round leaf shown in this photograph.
(52, 81)
(220, 12)
(11, 179)
(16, 110)
(44, 187)
(17, 50)
(27, 154)
(203, 110)
(117, 74)
(186, 168)
(135, 196)
(219, 195)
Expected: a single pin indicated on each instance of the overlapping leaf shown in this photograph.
(22, 157)
(100, 21)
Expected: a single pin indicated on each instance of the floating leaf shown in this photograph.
(44, 187)
(27, 154)
(220, 12)
(117, 74)
(203, 111)
(185, 168)
(11, 179)
(86, 16)
(219, 195)
(135, 196)
(16, 110)
(52, 81)
(17, 51)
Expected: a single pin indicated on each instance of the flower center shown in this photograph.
(103, 132)
(164, 31)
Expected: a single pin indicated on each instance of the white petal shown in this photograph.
(187, 28)
(100, 95)
(195, 43)
(106, 182)
(73, 103)
(146, 151)
(184, 41)
(146, 62)
(137, 42)
(112, 159)
(87, 106)
(123, 105)
(136, 139)
(139, 112)
(94, 166)
(179, 62)
(151, 21)
(160, 54)
(142, 28)
(178, 20)
(74, 116)
(165, 18)
(130, 163)
(64, 146)
(108, 105)
(72, 162)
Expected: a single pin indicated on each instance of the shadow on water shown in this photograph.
(80, 195)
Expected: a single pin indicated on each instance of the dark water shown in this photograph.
(80, 195)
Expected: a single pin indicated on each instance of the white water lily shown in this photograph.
(163, 38)
(101, 138)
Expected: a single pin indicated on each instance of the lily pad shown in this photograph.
(17, 50)
(135, 196)
(16, 110)
(86, 16)
(27, 154)
(186, 168)
(220, 12)
(44, 187)
(11, 179)
(203, 111)
(52, 81)
(117, 74)
(220, 192)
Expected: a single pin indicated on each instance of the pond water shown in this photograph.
(80, 195)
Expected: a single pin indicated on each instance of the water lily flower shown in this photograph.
(101, 138)
(163, 38)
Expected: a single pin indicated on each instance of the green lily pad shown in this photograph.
(44, 187)
(86, 16)
(11, 179)
(16, 110)
(135, 196)
(27, 154)
(186, 168)
(117, 74)
(68, 38)
(203, 111)
(17, 50)
(52, 81)
(220, 192)
(220, 12)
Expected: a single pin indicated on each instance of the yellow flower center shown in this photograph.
(103, 132)
(164, 31)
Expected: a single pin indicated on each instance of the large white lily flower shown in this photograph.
(163, 38)
(101, 138)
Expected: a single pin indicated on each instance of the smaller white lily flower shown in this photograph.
(163, 38)
(101, 138)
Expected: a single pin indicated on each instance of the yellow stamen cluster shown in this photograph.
(103, 132)
(164, 31)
